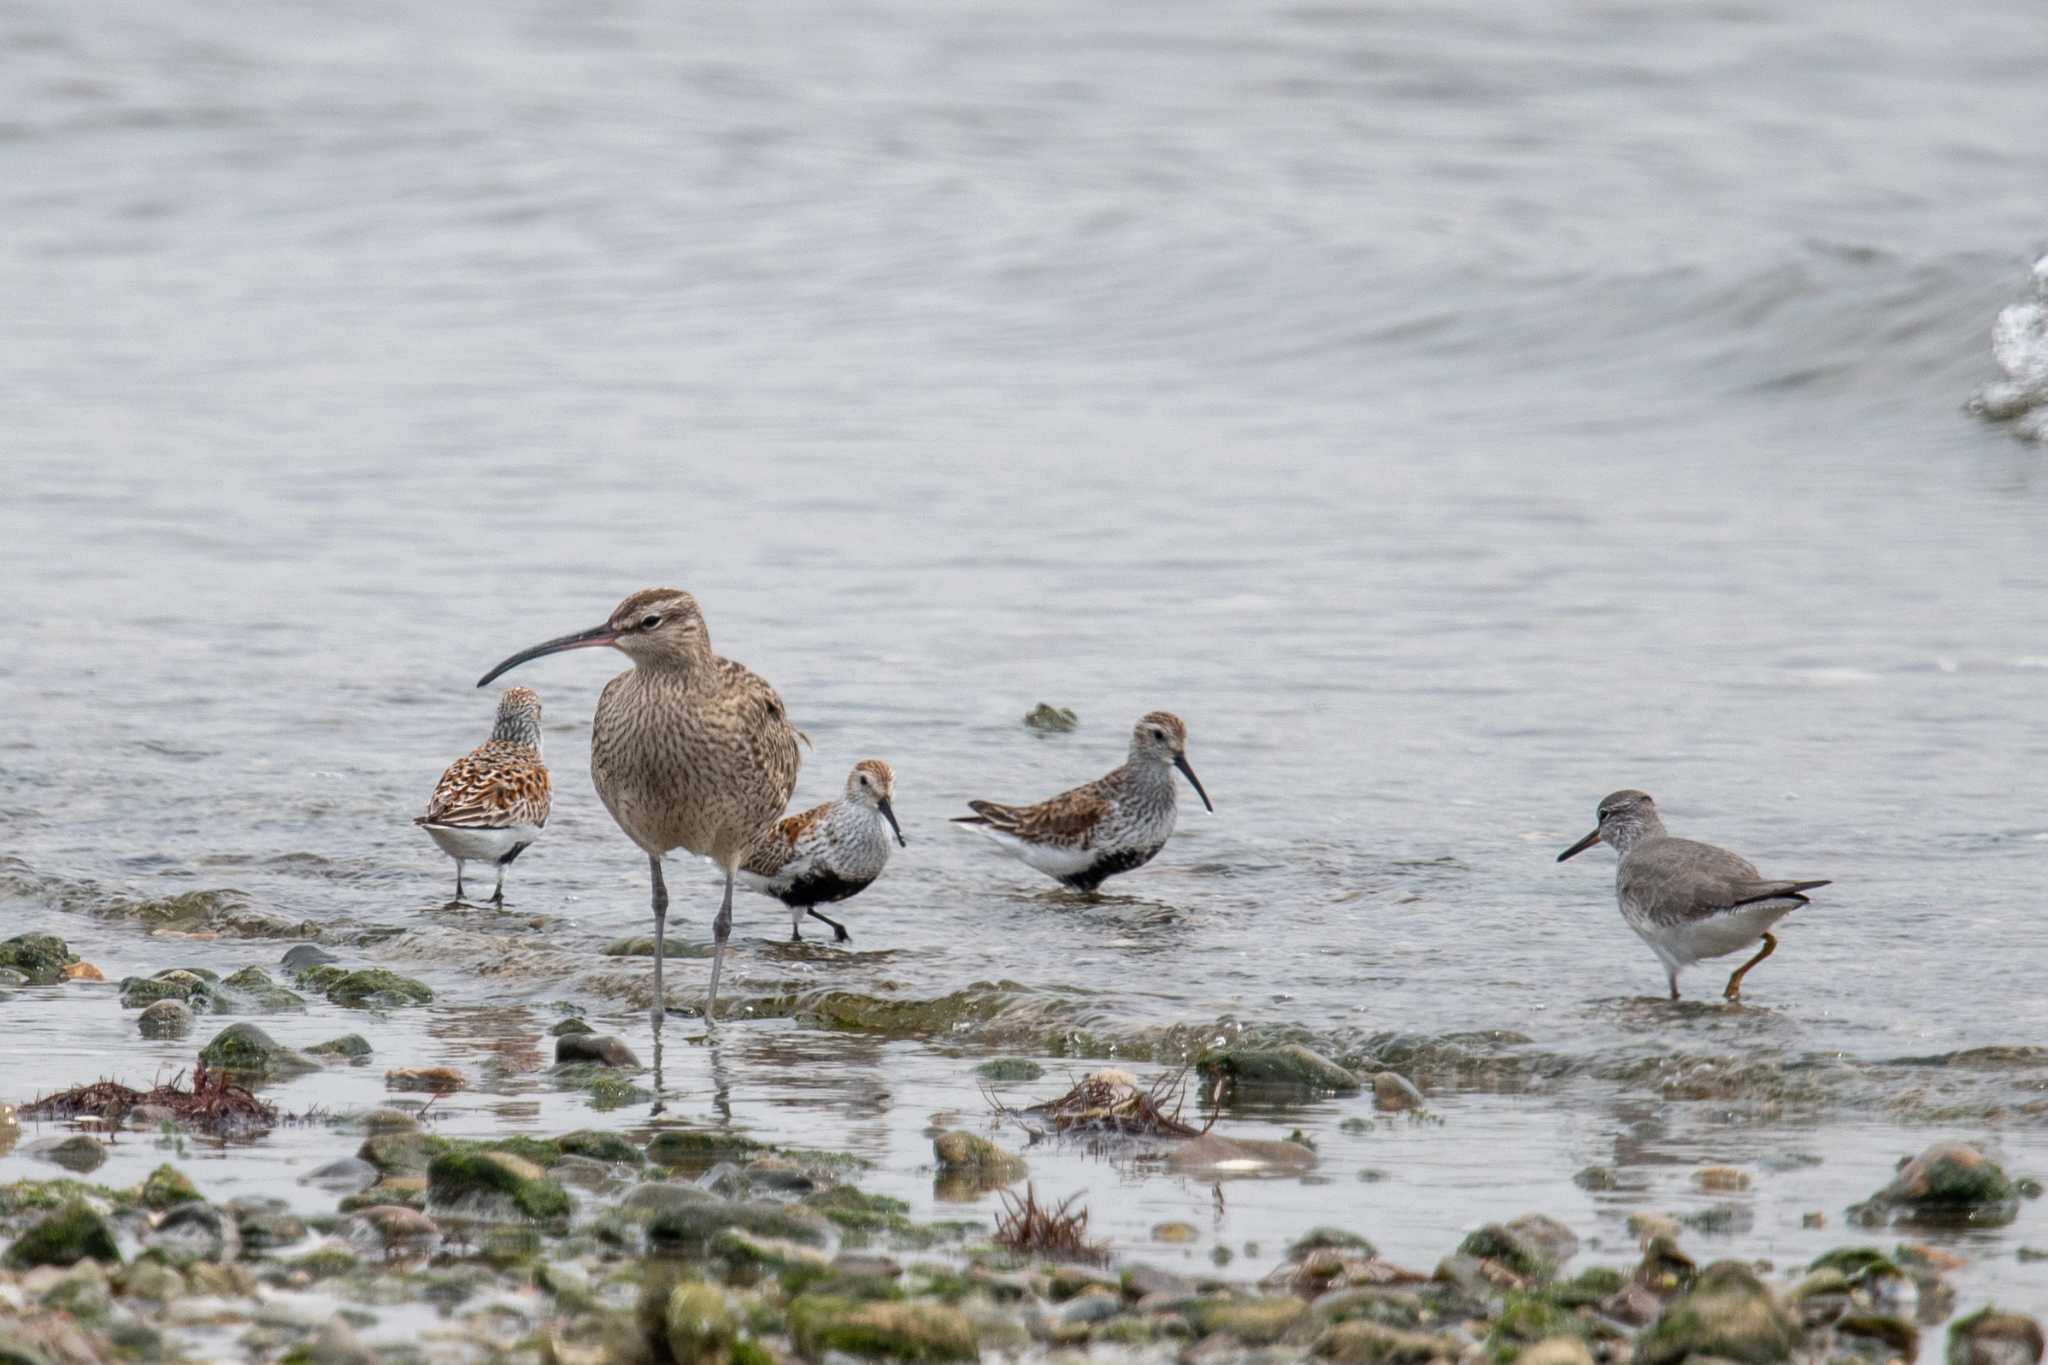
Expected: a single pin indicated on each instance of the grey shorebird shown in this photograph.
(492, 802)
(1688, 900)
(829, 852)
(688, 750)
(1117, 822)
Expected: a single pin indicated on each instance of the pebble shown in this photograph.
(83, 971)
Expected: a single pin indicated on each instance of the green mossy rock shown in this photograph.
(376, 988)
(1249, 1322)
(699, 1147)
(819, 1323)
(71, 1234)
(1509, 1247)
(1951, 1184)
(457, 1177)
(1289, 1067)
(79, 1152)
(1010, 1069)
(687, 1227)
(1048, 719)
(957, 1151)
(1987, 1337)
(1728, 1313)
(858, 1210)
(140, 991)
(247, 1050)
(403, 1151)
(41, 958)
(599, 1146)
(252, 989)
(698, 1326)
(166, 1188)
(165, 1019)
(1330, 1239)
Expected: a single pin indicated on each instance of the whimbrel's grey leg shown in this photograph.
(839, 934)
(660, 937)
(721, 929)
(1734, 991)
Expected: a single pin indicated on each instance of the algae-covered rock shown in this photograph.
(1988, 1337)
(1884, 1335)
(165, 1019)
(266, 1224)
(140, 991)
(1249, 1322)
(1009, 1069)
(699, 1146)
(698, 1326)
(1330, 1239)
(41, 958)
(857, 1210)
(459, 1177)
(1534, 1245)
(248, 1051)
(1048, 719)
(569, 1026)
(400, 1150)
(958, 1151)
(599, 1146)
(1288, 1067)
(73, 1233)
(166, 1188)
(79, 1152)
(750, 1255)
(1392, 1090)
(1728, 1313)
(689, 1226)
(374, 987)
(1951, 1184)
(1361, 1342)
(820, 1323)
(601, 1048)
(349, 1045)
(252, 989)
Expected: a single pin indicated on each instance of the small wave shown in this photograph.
(2019, 343)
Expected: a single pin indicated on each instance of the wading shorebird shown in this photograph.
(1688, 900)
(828, 852)
(1111, 825)
(688, 750)
(492, 802)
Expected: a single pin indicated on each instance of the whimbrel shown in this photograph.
(1688, 900)
(492, 802)
(688, 750)
(1111, 825)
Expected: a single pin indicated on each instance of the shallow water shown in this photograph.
(1455, 412)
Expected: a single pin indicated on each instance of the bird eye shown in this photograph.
(649, 622)
(1159, 734)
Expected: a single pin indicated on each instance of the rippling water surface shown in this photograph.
(1454, 411)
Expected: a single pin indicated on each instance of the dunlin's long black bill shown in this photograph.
(1581, 846)
(594, 638)
(1181, 762)
(889, 814)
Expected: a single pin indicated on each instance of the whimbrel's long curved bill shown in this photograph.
(1180, 761)
(595, 638)
(888, 810)
(1581, 846)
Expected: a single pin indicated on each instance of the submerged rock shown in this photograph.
(302, 957)
(72, 1234)
(1728, 1313)
(349, 1045)
(252, 988)
(165, 1019)
(1987, 1337)
(1950, 1184)
(969, 1165)
(1009, 1069)
(1213, 1154)
(1290, 1067)
(374, 987)
(247, 1050)
(1392, 1090)
(78, 1152)
(599, 1146)
(1048, 719)
(601, 1048)
(696, 1147)
(41, 958)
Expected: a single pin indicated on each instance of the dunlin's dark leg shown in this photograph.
(1734, 991)
(1672, 977)
(498, 896)
(458, 879)
(660, 936)
(721, 930)
(839, 934)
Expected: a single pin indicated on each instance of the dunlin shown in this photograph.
(493, 801)
(1688, 900)
(1111, 825)
(688, 750)
(829, 852)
